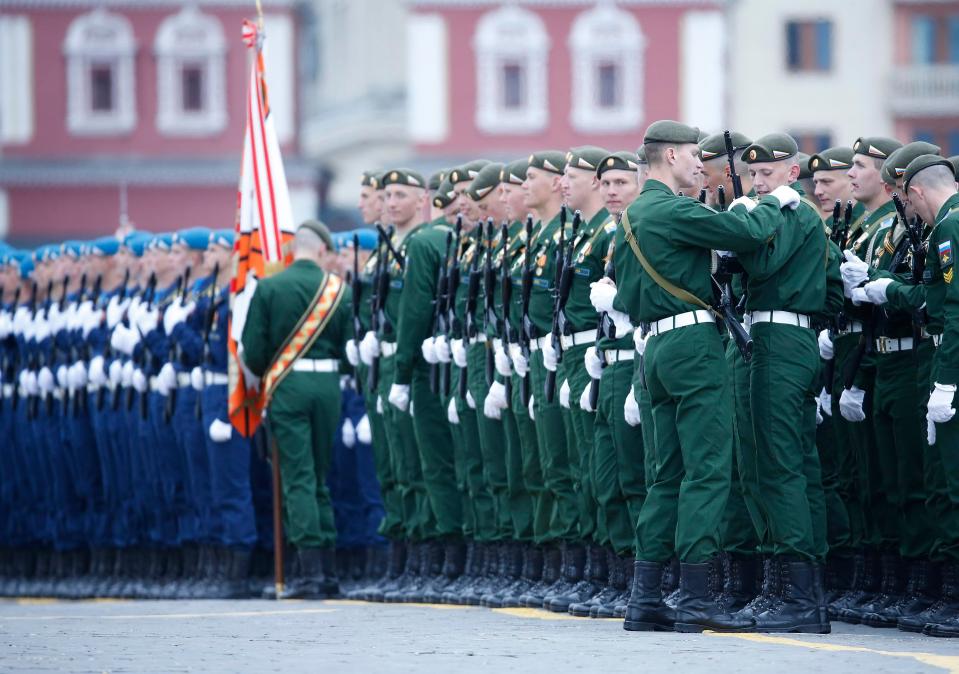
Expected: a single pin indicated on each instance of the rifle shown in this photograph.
(388, 238)
(490, 327)
(702, 196)
(205, 336)
(182, 284)
(357, 287)
(737, 192)
(506, 294)
(7, 369)
(472, 294)
(439, 309)
(82, 400)
(564, 275)
(48, 399)
(108, 352)
(148, 295)
(721, 197)
(452, 287)
(72, 399)
(527, 331)
(382, 291)
(373, 376)
(914, 232)
(604, 328)
(36, 361)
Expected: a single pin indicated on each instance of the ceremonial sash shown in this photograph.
(304, 334)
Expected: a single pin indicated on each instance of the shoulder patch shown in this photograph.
(945, 253)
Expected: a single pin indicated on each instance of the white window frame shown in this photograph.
(606, 34)
(83, 49)
(511, 34)
(173, 50)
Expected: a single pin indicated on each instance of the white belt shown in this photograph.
(936, 340)
(584, 337)
(154, 386)
(57, 394)
(182, 379)
(92, 388)
(497, 343)
(894, 344)
(318, 365)
(680, 321)
(853, 326)
(479, 338)
(8, 390)
(387, 349)
(537, 344)
(781, 317)
(215, 378)
(616, 355)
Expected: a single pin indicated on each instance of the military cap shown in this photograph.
(195, 238)
(433, 183)
(771, 147)
(222, 238)
(586, 157)
(73, 249)
(365, 237)
(159, 242)
(803, 160)
(714, 146)
(921, 163)
(105, 246)
(445, 194)
(514, 173)
(24, 262)
(136, 242)
(621, 161)
(46, 253)
(370, 179)
(668, 131)
(895, 166)
(641, 155)
(485, 181)
(320, 230)
(878, 147)
(548, 160)
(837, 158)
(955, 164)
(403, 176)
(467, 171)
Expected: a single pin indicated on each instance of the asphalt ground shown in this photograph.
(39, 635)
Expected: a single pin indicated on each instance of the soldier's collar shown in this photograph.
(948, 208)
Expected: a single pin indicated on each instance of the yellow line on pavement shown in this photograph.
(950, 663)
(172, 616)
(536, 613)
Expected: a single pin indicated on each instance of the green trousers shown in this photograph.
(554, 457)
(520, 505)
(304, 418)
(838, 535)
(685, 374)
(783, 375)
(435, 444)
(579, 442)
(532, 469)
(392, 524)
(942, 472)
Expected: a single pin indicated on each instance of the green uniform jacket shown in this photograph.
(277, 306)
(542, 254)
(881, 251)
(589, 261)
(859, 237)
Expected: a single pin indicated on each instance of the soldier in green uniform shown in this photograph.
(304, 410)
(830, 176)
(664, 247)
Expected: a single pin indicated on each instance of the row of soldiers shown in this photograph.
(120, 474)
(666, 386)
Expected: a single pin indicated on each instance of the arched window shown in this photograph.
(512, 52)
(191, 79)
(100, 51)
(607, 45)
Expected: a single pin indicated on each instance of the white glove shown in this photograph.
(352, 352)
(745, 202)
(429, 351)
(62, 377)
(97, 372)
(639, 342)
(503, 364)
(90, 322)
(520, 365)
(939, 409)
(532, 415)
(220, 431)
(369, 347)
(451, 414)
(363, 432)
(115, 309)
(858, 296)
(819, 418)
(459, 353)
(196, 378)
(826, 350)
(825, 401)
(45, 381)
(854, 271)
(786, 196)
(175, 314)
(116, 372)
(166, 379)
(348, 433)
(21, 319)
(124, 339)
(77, 376)
(470, 401)
(28, 382)
(620, 322)
(6, 324)
(400, 396)
(850, 404)
(584, 400)
(441, 347)
(147, 320)
(549, 355)
(495, 401)
(379, 404)
(40, 329)
(564, 394)
(876, 290)
(126, 374)
(631, 409)
(56, 318)
(930, 432)
(139, 381)
(593, 365)
(601, 295)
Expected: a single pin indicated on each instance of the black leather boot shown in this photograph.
(593, 577)
(471, 561)
(890, 590)
(485, 564)
(169, 585)
(612, 589)
(399, 573)
(671, 582)
(945, 608)
(552, 572)
(431, 565)
(317, 575)
(839, 574)
(394, 561)
(739, 581)
(510, 570)
(919, 594)
(946, 621)
(697, 608)
(453, 565)
(530, 576)
(410, 579)
(769, 591)
(646, 610)
(236, 573)
(796, 609)
(865, 588)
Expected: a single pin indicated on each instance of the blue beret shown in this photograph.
(195, 238)
(161, 241)
(25, 262)
(104, 246)
(366, 237)
(222, 237)
(46, 253)
(72, 249)
(137, 242)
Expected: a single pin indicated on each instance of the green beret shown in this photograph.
(641, 155)
(320, 230)
(586, 157)
(548, 160)
(921, 163)
(444, 195)
(895, 166)
(668, 131)
(803, 160)
(771, 147)
(485, 181)
(621, 161)
(834, 159)
(467, 171)
(514, 173)
(876, 146)
(714, 146)
(402, 176)
(434, 180)
(370, 179)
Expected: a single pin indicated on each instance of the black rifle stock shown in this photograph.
(565, 283)
(506, 296)
(526, 331)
